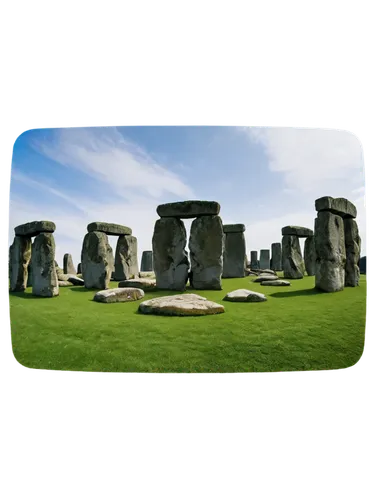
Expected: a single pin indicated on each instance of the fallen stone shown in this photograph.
(188, 304)
(74, 280)
(266, 277)
(96, 260)
(145, 274)
(44, 281)
(234, 228)
(142, 283)
(188, 209)
(293, 265)
(301, 232)
(243, 295)
(119, 295)
(109, 229)
(126, 258)
(31, 229)
(338, 206)
(64, 283)
(309, 255)
(68, 264)
(275, 283)
(266, 271)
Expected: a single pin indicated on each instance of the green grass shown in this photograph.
(298, 328)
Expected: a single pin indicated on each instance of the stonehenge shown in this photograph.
(309, 255)
(44, 280)
(264, 259)
(254, 263)
(276, 264)
(292, 261)
(126, 259)
(206, 246)
(68, 265)
(147, 264)
(19, 258)
(234, 257)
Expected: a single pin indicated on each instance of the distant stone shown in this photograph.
(142, 283)
(292, 261)
(79, 268)
(267, 277)
(264, 259)
(338, 206)
(234, 257)
(126, 258)
(145, 274)
(243, 295)
(74, 280)
(301, 232)
(68, 264)
(234, 228)
(147, 261)
(109, 229)
(276, 257)
(34, 228)
(188, 304)
(275, 283)
(188, 209)
(64, 283)
(44, 281)
(119, 295)
(362, 265)
(266, 271)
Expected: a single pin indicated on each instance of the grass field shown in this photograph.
(298, 328)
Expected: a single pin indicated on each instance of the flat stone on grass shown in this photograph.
(266, 277)
(119, 295)
(275, 283)
(243, 295)
(142, 283)
(188, 304)
(74, 280)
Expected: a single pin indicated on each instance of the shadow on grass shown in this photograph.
(82, 289)
(28, 295)
(297, 293)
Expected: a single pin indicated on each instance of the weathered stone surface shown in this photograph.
(64, 283)
(119, 295)
(309, 255)
(301, 232)
(292, 261)
(266, 277)
(264, 261)
(206, 247)
(68, 264)
(29, 274)
(188, 209)
(275, 283)
(276, 257)
(109, 228)
(96, 260)
(144, 274)
(330, 252)
(142, 283)
(147, 261)
(362, 265)
(234, 228)
(234, 255)
(337, 206)
(19, 258)
(254, 259)
(44, 281)
(31, 229)
(243, 295)
(126, 259)
(171, 264)
(79, 268)
(261, 272)
(188, 304)
(74, 280)
(353, 251)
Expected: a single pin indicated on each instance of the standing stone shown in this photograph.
(309, 255)
(29, 275)
(19, 258)
(147, 261)
(126, 258)
(234, 257)
(362, 265)
(292, 261)
(264, 260)
(353, 249)
(254, 264)
(96, 260)
(276, 257)
(171, 264)
(68, 265)
(206, 246)
(44, 280)
(79, 268)
(330, 252)
(111, 259)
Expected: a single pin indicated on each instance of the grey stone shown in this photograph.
(362, 265)
(171, 264)
(44, 281)
(276, 257)
(147, 261)
(243, 295)
(34, 228)
(188, 209)
(145, 274)
(292, 261)
(266, 271)
(74, 280)
(266, 277)
(68, 264)
(264, 261)
(29, 274)
(301, 232)
(126, 259)
(275, 283)
(206, 247)
(309, 255)
(19, 258)
(338, 206)
(119, 295)
(234, 228)
(330, 252)
(109, 228)
(353, 250)
(96, 260)
(142, 283)
(63, 283)
(79, 268)
(254, 259)
(234, 255)
(188, 304)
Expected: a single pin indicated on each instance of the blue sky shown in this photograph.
(265, 178)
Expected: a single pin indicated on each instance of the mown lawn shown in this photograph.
(298, 328)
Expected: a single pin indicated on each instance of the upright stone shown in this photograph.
(254, 259)
(264, 260)
(29, 275)
(147, 261)
(126, 258)
(96, 260)
(68, 265)
(206, 246)
(19, 258)
(234, 257)
(79, 268)
(276, 256)
(292, 261)
(44, 280)
(362, 265)
(330, 252)
(171, 264)
(309, 255)
(353, 250)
